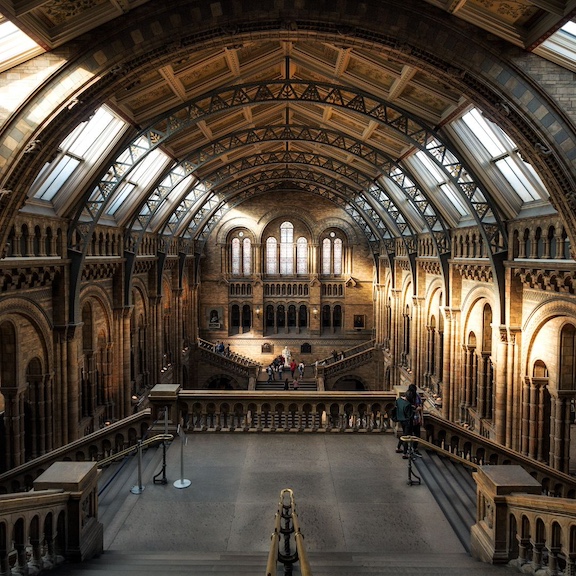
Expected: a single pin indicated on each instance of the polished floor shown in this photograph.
(357, 512)
(351, 495)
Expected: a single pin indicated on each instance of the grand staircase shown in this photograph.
(114, 563)
(450, 484)
(453, 487)
(305, 385)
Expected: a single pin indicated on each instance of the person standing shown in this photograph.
(270, 373)
(295, 384)
(414, 398)
(404, 415)
(293, 367)
(287, 385)
(301, 370)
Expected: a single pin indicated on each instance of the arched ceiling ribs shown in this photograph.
(325, 138)
(331, 187)
(378, 246)
(411, 129)
(351, 177)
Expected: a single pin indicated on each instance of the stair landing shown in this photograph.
(357, 513)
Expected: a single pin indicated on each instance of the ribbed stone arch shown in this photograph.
(326, 185)
(349, 178)
(467, 61)
(397, 174)
(353, 100)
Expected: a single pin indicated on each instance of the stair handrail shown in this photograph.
(348, 352)
(441, 451)
(127, 451)
(232, 356)
(537, 469)
(288, 512)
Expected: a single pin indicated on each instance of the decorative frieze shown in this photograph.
(477, 272)
(548, 280)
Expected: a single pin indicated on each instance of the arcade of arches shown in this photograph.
(194, 176)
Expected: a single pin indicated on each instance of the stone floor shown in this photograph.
(357, 513)
(351, 496)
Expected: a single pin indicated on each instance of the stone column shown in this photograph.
(417, 350)
(446, 363)
(500, 396)
(125, 400)
(395, 345)
(526, 418)
(73, 390)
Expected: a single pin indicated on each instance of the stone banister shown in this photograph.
(91, 447)
(474, 447)
(57, 520)
(516, 524)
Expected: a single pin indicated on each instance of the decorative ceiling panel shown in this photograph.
(516, 12)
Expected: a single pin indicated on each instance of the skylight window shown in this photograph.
(501, 151)
(15, 46)
(138, 180)
(81, 150)
(561, 47)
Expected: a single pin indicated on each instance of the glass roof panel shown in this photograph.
(503, 154)
(443, 193)
(81, 150)
(144, 173)
(560, 47)
(15, 46)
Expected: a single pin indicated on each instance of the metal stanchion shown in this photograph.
(163, 479)
(139, 488)
(413, 478)
(182, 483)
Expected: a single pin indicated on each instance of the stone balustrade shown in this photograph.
(57, 520)
(516, 524)
(252, 411)
(90, 448)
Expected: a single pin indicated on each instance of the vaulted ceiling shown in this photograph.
(522, 22)
(295, 110)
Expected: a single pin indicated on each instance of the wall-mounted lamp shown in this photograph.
(315, 312)
(258, 312)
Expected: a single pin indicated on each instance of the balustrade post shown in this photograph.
(489, 536)
(523, 546)
(553, 552)
(570, 569)
(4, 563)
(537, 548)
(21, 564)
(36, 558)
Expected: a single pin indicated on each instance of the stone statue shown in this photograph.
(287, 356)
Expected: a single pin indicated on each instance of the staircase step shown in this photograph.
(117, 563)
(457, 504)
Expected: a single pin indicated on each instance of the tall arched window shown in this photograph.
(568, 358)
(302, 256)
(241, 255)
(236, 261)
(271, 256)
(286, 248)
(332, 255)
(247, 256)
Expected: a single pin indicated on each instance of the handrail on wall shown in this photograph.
(290, 555)
(127, 451)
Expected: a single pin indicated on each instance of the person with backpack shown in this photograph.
(414, 398)
(404, 416)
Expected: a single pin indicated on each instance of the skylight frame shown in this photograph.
(16, 47)
(87, 143)
(494, 149)
(560, 47)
